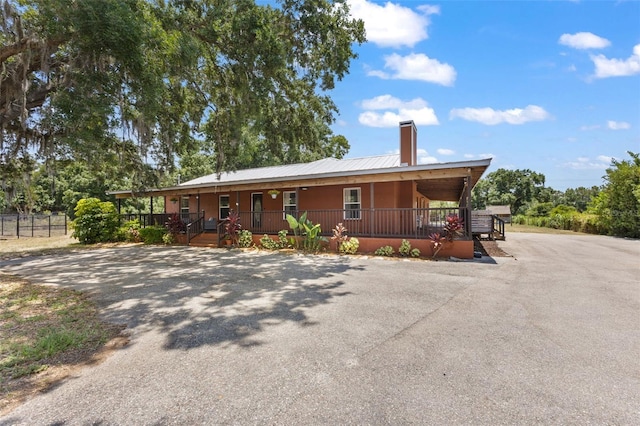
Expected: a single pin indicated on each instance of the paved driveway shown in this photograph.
(549, 336)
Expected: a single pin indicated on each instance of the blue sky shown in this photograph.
(551, 86)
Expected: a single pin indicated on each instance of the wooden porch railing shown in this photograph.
(378, 223)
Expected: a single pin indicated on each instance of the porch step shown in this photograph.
(205, 240)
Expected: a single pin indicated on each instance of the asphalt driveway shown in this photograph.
(551, 335)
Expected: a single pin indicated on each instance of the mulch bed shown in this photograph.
(489, 248)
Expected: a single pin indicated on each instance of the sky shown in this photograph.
(550, 86)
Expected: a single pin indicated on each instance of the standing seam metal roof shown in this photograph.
(326, 165)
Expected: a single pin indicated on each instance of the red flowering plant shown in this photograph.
(232, 227)
(452, 229)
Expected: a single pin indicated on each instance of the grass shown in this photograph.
(16, 247)
(45, 332)
(537, 230)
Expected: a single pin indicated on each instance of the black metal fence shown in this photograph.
(19, 226)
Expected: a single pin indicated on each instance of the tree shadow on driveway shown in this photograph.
(195, 296)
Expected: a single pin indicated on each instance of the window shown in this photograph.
(352, 203)
(289, 203)
(223, 207)
(184, 208)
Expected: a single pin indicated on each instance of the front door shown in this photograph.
(256, 210)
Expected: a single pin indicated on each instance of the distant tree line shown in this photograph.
(611, 209)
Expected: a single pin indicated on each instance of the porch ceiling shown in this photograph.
(447, 188)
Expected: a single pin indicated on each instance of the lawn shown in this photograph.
(46, 331)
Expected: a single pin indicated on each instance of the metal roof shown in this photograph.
(436, 181)
(324, 166)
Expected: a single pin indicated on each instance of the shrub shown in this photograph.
(96, 221)
(245, 238)
(415, 252)
(405, 248)
(385, 251)
(153, 234)
(267, 243)
(168, 238)
(129, 231)
(350, 246)
(283, 242)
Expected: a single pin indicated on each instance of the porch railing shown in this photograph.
(377, 223)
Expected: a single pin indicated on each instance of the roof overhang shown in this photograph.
(441, 181)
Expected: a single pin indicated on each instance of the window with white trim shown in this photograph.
(223, 207)
(184, 207)
(352, 203)
(289, 203)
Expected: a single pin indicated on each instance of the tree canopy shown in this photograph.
(515, 188)
(140, 82)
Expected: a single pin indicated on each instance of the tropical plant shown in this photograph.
(405, 248)
(268, 243)
(232, 226)
(339, 235)
(437, 242)
(296, 226)
(245, 238)
(168, 238)
(349, 246)
(384, 251)
(453, 227)
(175, 225)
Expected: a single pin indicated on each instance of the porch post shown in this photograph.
(371, 208)
(467, 220)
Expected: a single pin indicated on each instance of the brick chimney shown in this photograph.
(408, 143)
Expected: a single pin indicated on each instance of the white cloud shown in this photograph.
(425, 158)
(444, 151)
(617, 67)
(423, 116)
(416, 66)
(584, 40)
(585, 163)
(618, 125)
(416, 109)
(391, 102)
(393, 25)
(491, 117)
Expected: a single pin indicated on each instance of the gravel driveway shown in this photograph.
(551, 336)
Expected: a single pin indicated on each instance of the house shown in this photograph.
(381, 199)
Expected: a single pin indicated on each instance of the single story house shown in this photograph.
(381, 199)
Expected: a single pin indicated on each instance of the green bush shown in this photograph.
(245, 238)
(168, 238)
(283, 242)
(385, 251)
(350, 246)
(129, 231)
(267, 243)
(153, 234)
(405, 248)
(95, 221)
(415, 252)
